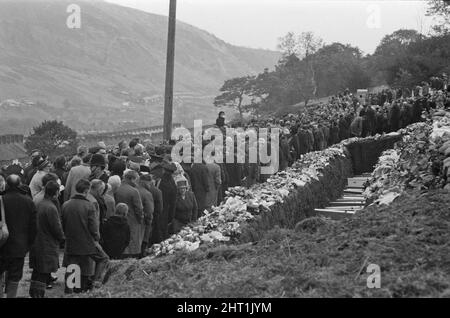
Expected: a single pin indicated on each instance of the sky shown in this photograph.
(259, 23)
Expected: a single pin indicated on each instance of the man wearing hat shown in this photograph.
(76, 174)
(31, 169)
(36, 185)
(168, 188)
(98, 165)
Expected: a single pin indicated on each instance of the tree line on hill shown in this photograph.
(310, 69)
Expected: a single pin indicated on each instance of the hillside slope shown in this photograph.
(117, 56)
(408, 240)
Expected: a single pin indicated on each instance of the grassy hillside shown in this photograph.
(320, 258)
(117, 56)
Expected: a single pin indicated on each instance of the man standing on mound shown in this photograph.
(81, 226)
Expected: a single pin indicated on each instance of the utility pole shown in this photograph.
(168, 100)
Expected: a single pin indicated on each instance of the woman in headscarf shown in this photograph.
(180, 174)
(186, 207)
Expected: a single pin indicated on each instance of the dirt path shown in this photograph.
(55, 292)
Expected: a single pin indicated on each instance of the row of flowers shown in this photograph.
(242, 205)
(420, 161)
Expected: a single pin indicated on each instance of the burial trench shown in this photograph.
(337, 193)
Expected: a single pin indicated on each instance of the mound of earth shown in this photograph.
(409, 240)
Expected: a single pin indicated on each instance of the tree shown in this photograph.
(304, 46)
(440, 9)
(288, 44)
(338, 67)
(53, 138)
(393, 44)
(234, 92)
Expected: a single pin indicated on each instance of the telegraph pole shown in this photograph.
(168, 99)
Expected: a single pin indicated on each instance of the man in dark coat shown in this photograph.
(129, 194)
(20, 215)
(284, 154)
(98, 165)
(200, 185)
(80, 223)
(334, 134)
(44, 258)
(31, 169)
(295, 143)
(318, 138)
(169, 192)
(303, 145)
(369, 120)
(417, 110)
(394, 117)
(379, 122)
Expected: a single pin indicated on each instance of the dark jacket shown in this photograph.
(115, 236)
(220, 122)
(81, 226)
(200, 184)
(169, 194)
(234, 171)
(394, 117)
(303, 142)
(20, 215)
(186, 209)
(334, 135)
(44, 257)
(157, 212)
(284, 154)
(295, 143)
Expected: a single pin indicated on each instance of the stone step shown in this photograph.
(352, 183)
(351, 198)
(346, 203)
(333, 214)
(345, 208)
(353, 191)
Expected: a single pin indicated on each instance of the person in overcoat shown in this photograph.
(150, 238)
(214, 182)
(44, 258)
(200, 185)
(80, 223)
(169, 194)
(20, 215)
(303, 144)
(149, 208)
(129, 194)
(186, 208)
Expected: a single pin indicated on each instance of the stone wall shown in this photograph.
(301, 203)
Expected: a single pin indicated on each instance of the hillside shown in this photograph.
(116, 57)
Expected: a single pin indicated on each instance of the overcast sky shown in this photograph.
(259, 23)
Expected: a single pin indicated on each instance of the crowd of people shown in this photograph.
(114, 203)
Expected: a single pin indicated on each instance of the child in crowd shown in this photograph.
(116, 232)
